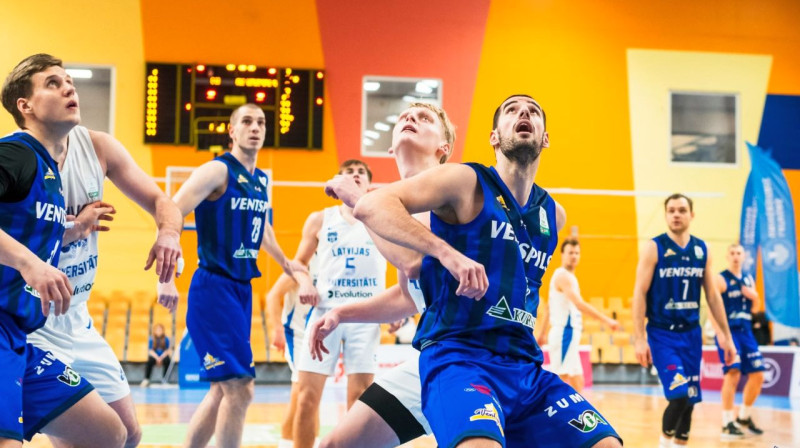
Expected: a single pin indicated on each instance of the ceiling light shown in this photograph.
(424, 88)
(368, 142)
(372, 86)
(372, 134)
(381, 126)
(392, 118)
(79, 73)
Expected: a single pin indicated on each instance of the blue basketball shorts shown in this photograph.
(218, 319)
(748, 356)
(35, 386)
(676, 356)
(472, 392)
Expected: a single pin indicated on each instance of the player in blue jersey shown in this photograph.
(739, 294)
(493, 232)
(672, 269)
(229, 198)
(39, 392)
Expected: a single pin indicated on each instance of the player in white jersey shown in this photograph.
(349, 269)
(389, 412)
(566, 308)
(90, 157)
(287, 321)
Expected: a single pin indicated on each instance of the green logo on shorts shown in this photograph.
(70, 377)
(588, 421)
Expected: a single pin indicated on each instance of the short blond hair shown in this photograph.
(448, 129)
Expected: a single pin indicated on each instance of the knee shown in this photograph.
(734, 374)
(756, 377)
(116, 435)
(242, 391)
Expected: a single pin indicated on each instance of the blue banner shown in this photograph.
(773, 232)
(749, 227)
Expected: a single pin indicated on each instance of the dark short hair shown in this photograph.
(569, 242)
(352, 162)
(18, 83)
(679, 196)
(497, 111)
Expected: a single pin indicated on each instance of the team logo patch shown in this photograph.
(332, 236)
(29, 289)
(544, 226)
(733, 282)
(698, 252)
(488, 412)
(692, 391)
(69, 377)
(503, 311)
(669, 253)
(91, 189)
(677, 381)
(587, 421)
(242, 179)
(245, 253)
(49, 175)
(502, 202)
(209, 362)
(263, 181)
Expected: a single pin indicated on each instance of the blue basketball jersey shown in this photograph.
(230, 228)
(514, 243)
(673, 300)
(737, 306)
(38, 223)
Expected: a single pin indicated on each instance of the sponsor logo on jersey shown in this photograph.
(673, 305)
(209, 362)
(243, 253)
(503, 311)
(544, 226)
(504, 230)
(69, 377)
(249, 204)
(91, 188)
(587, 421)
(50, 212)
(669, 253)
(698, 252)
(49, 175)
(242, 179)
(29, 289)
(677, 381)
(692, 391)
(564, 404)
(488, 412)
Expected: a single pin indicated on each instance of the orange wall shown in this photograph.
(570, 55)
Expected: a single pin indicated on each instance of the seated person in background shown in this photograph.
(761, 328)
(159, 352)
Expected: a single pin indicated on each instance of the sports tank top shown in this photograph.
(562, 310)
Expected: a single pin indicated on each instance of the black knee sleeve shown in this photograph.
(673, 413)
(685, 424)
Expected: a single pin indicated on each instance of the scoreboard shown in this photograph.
(190, 104)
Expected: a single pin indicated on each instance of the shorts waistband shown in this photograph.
(678, 328)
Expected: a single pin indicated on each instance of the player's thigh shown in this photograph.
(555, 415)
(97, 363)
(89, 422)
(360, 345)
(333, 343)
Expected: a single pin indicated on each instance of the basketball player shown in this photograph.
(566, 317)
(480, 366)
(229, 197)
(287, 317)
(389, 412)
(40, 393)
(672, 268)
(349, 269)
(739, 294)
(89, 158)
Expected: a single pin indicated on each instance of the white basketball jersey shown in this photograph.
(82, 182)
(349, 265)
(416, 293)
(561, 308)
(294, 313)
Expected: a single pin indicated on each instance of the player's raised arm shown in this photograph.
(137, 185)
(447, 190)
(565, 286)
(648, 259)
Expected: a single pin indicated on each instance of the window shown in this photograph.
(704, 128)
(384, 99)
(94, 85)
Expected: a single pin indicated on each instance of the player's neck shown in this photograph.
(246, 158)
(735, 272)
(53, 140)
(412, 165)
(569, 268)
(347, 213)
(518, 179)
(681, 239)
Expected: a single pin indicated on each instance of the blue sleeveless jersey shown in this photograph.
(673, 300)
(738, 308)
(229, 229)
(38, 223)
(515, 257)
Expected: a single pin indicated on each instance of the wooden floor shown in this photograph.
(634, 412)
